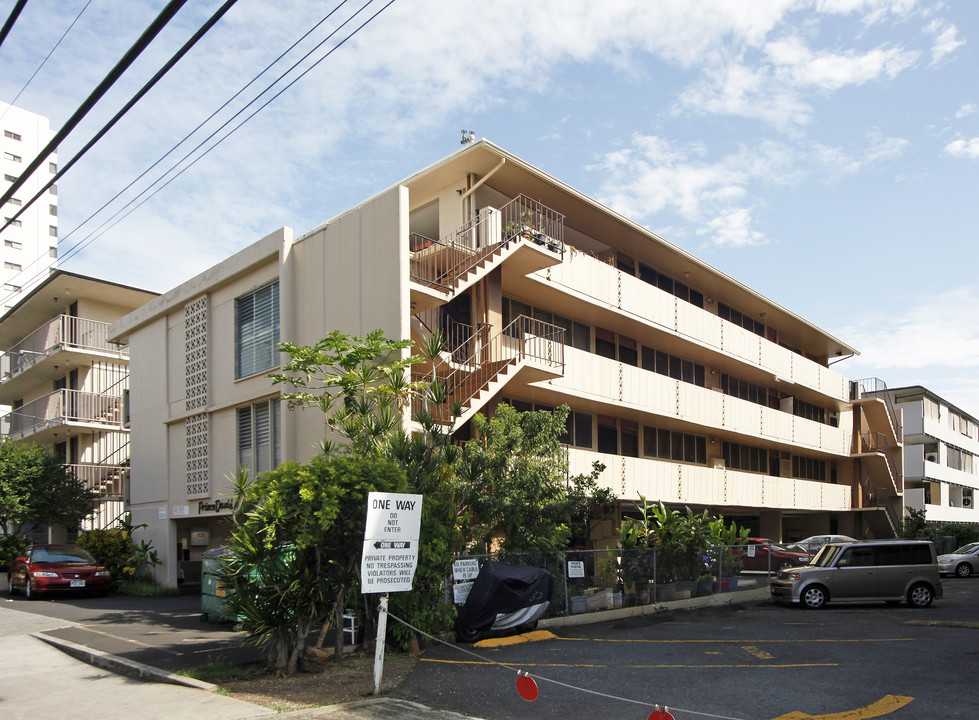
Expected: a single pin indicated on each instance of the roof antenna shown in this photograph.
(468, 137)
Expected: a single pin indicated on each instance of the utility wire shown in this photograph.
(81, 244)
(31, 78)
(11, 19)
(201, 31)
(107, 82)
(106, 226)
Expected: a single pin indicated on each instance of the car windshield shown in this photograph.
(61, 554)
(967, 549)
(826, 555)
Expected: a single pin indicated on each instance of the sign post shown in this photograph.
(390, 556)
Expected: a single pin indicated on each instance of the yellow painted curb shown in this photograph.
(535, 636)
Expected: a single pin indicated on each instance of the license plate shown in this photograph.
(77, 583)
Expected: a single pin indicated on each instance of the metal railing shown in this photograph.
(62, 331)
(876, 442)
(523, 216)
(105, 480)
(523, 339)
(876, 388)
(60, 407)
(441, 263)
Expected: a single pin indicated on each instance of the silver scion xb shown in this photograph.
(890, 570)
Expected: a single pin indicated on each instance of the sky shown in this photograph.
(823, 152)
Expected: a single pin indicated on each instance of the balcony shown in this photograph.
(64, 341)
(41, 419)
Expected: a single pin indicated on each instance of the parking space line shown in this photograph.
(884, 706)
(89, 628)
(760, 654)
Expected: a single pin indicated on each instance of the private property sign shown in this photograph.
(390, 542)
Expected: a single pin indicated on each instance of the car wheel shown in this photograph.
(920, 596)
(963, 570)
(28, 591)
(814, 597)
(10, 585)
(468, 636)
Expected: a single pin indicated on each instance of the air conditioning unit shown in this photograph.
(967, 502)
(932, 457)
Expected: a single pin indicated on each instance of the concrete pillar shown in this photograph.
(770, 524)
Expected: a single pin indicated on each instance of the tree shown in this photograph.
(296, 546)
(37, 489)
(515, 487)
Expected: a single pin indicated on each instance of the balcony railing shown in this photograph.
(523, 215)
(875, 388)
(62, 407)
(63, 331)
(876, 442)
(105, 480)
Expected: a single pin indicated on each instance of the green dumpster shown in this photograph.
(212, 590)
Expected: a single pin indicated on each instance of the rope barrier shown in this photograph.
(490, 661)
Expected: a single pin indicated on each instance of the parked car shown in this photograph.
(812, 543)
(61, 568)
(962, 562)
(768, 554)
(889, 570)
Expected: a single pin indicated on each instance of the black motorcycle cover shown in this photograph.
(501, 588)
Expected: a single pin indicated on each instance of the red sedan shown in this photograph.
(781, 556)
(58, 568)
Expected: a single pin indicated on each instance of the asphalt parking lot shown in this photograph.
(757, 662)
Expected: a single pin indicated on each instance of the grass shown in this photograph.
(219, 672)
(144, 587)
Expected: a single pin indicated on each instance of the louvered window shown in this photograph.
(259, 437)
(257, 331)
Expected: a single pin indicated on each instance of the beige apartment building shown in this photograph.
(689, 386)
(67, 385)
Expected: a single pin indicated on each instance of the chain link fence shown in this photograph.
(591, 580)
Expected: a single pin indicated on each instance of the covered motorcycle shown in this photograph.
(504, 597)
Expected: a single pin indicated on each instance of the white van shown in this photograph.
(889, 570)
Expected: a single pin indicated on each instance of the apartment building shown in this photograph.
(67, 385)
(689, 386)
(30, 244)
(941, 456)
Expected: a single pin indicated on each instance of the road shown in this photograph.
(755, 662)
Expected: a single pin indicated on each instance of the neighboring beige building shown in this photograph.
(67, 385)
(689, 386)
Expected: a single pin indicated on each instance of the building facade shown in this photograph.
(688, 386)
(30, 244)
(941, 456)
(67, 385)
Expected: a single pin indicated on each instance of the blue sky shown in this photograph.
(824, 152)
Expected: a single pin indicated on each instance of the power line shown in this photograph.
(31, 78)
(11, 19)
(115, 219)
(107, 82)
(201, 31)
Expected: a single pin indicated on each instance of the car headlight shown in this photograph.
(101, 573)
(790, 576)
(43, 573)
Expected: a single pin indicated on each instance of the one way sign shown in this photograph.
(390, 542)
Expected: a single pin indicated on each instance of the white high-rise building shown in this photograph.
(30, 245)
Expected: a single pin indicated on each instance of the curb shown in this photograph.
(707, 601)
(122, 666)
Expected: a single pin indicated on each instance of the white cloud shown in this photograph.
(963, 148)
(826, 70)
(946, 39)
(966, 110)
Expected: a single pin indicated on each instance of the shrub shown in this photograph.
(113, 547)
(11, 547)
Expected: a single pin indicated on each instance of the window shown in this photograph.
(807, 410)
(608, 435)
(672, 445)
(13, 223)
(12, 157)
(10, 178)
(53, 210)
(257, 331)
(11, 266)
(259, 436)
(11, 288)
(12, 135)
(746, 457)
(12, 244)
(53, 252)
(677, 368)
(808, 468)
(53, 230)
(605, 343)
(15, 201)
(53, 190)
(52, 167)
